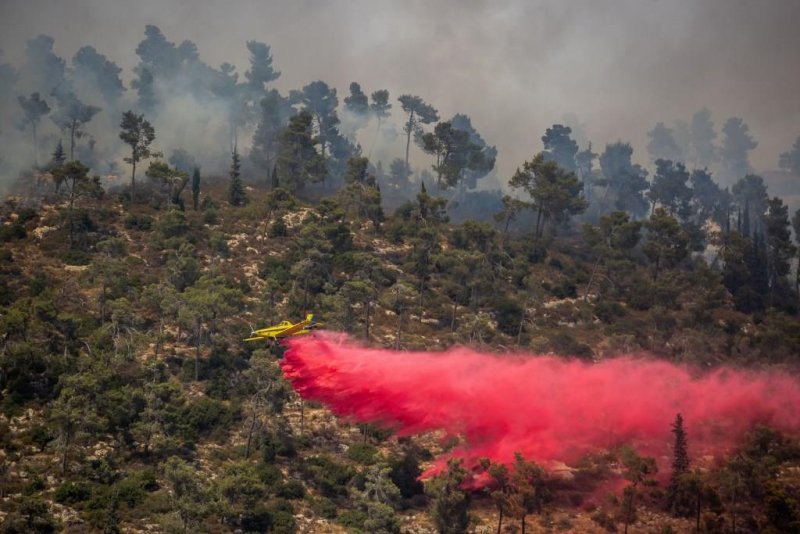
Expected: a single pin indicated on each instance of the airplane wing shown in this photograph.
(294, 328)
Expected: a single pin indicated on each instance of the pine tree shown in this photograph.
(298, 161)
(139, 134)
(449, 503)
(195, 187)
(555, 192)
(419, 113)
(236, 194)
(35, 108)
(528, 492)
(639, 471)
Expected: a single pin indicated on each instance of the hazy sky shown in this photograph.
(514, 66)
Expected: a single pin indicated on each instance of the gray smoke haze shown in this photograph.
(515, 67)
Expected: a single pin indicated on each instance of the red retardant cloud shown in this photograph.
(546, 408)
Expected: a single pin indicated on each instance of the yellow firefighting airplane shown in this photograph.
(285, 329)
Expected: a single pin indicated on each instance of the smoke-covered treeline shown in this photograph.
(206, 112)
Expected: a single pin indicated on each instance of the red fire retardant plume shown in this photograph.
(546, 408)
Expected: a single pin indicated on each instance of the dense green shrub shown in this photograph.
(39, 435)
(508, 314)
(132, 490)
(12, 232)
(291, 489)
(32, 516)
(564, 289)
(362, 453)
(219, 244)
(324, 507)
(138, 222)
(278, 228)
(269, 475)
(72, 492)
(405, 472)
(206, 417)
(30, 372)
(257, 519)
(38, 283)
(339, 236)
(26, 214)
(208, 203)
(6, 294)
(173, 224)
(210, 216)
(35, 484)
(608, 310)
(279, 442)
(280, 199)
(565, 344)
(76, 257)
(276, 268)
(327, 475)
(352, 520)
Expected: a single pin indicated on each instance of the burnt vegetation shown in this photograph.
(127, 397)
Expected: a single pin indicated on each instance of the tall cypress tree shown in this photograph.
(680, 466)
(276, 182)
(195, 187)
(236, 194)
(59, 156)
(779, 250)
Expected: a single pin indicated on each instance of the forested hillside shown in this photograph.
(129, 277)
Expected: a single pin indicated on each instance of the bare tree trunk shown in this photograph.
(397, 336)
(697, 516)
(103, 302)
(252, 429)
(67, 438)
(409, 126)
(375, 138)
(366, 323)
(302, 416)
(629, 512)
(160, 339)
(591, 278)
(500, 521)
(536, 231)
(133, 178)
(505, 233)
(72, 141)
(521, 325)
(197, 355)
